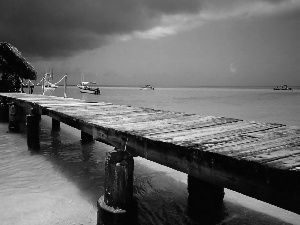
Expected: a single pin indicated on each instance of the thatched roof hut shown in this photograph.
(13, 68)
(11, 61)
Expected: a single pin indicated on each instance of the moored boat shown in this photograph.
(90, 90)
(85, 87)
(147, 87)
(282, 87)
(82, 84)
(48, 85)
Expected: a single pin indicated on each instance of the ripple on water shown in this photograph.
(37, 188)
(61, 184)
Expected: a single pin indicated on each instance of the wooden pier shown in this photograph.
(260, 160)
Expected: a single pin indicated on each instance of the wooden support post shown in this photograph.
(117, 206)
(119, 179)
(14, 118)
(203, 197)
(33, 128)
(4, 110)
(22, 86)
(30, 87)
(28, 84)
(55, 125)
(86, 137)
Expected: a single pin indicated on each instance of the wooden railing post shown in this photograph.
(43, 85)
(65, 86)
(22, 87)
(28, 84)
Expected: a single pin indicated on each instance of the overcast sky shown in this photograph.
(159, 42)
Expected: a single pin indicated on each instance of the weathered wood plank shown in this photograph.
(287, 163)
(187, 135)
(114, 121)
(174, 131)
(169, 125)
(278, 153)
(71, 104)
(253, 144)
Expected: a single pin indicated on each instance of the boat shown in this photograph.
(147, 87)
(48, 85)
(82, 84)
(85, 87)
(90, 90)
(282, 87)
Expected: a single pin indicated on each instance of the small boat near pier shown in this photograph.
(85, 87)
(90, 90)
(48, 85)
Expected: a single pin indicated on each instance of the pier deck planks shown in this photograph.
(261, 160)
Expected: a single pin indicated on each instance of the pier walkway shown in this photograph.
(261, 160)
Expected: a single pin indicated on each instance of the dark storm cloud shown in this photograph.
(56, 28)
(276, 1)
(61, 28)
(229, 4)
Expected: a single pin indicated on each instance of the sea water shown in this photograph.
(61, 183)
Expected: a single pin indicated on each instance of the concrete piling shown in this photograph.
(117, 206)
(33, 128)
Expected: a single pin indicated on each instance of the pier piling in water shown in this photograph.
(203, 196)
(55, 125)
(4, 109)
(85, 137)
(117, 206)
(14, 120)
(33, 127)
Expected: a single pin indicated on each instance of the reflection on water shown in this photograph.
(61, 185)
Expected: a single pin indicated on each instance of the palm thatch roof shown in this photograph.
(12, 62)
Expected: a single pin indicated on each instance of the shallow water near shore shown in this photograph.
(61, 183)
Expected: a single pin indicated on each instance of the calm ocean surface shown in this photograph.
(61, 183)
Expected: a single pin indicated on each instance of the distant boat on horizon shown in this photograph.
(147, 87)
(90, 90)
(282, 87)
